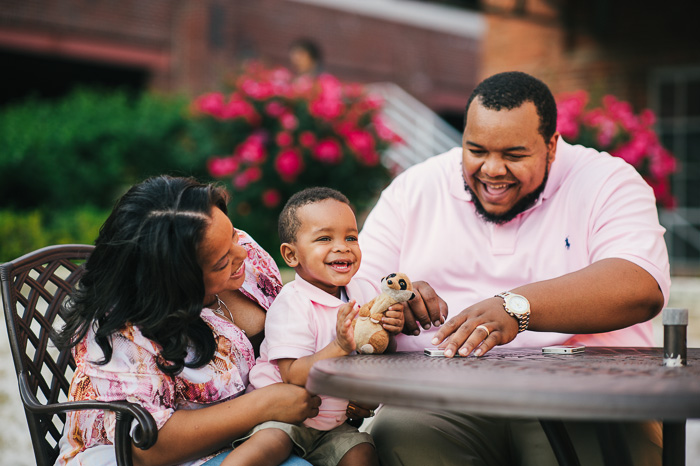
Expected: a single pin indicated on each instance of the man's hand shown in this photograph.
(393, 320)
(478, 328)
(424, 310)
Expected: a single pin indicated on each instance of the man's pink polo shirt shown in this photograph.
(301, 322)
(593, 207)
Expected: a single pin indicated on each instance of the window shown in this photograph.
(675, 97)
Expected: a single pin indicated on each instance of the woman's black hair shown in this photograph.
(510, 90)
(144, 271)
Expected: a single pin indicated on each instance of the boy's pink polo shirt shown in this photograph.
(594, 206)
(301, 322)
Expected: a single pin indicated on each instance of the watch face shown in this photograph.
(518, 304)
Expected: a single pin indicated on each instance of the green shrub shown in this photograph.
(23, 232)
(86, 148)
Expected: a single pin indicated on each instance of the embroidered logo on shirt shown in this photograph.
(566, 242)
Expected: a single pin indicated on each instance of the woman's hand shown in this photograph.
(393, 319)
(290, 403)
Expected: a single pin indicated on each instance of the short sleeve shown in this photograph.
(626, 226)
(289, 328)
(263, 281)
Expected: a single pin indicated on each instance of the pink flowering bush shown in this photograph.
(615, 128)
(271, 134)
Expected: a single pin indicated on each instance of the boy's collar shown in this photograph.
(316, 294)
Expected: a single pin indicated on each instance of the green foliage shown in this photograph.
(22, 232)
(86, 148)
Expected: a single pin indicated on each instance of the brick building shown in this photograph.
(639, 50)
(189, 45)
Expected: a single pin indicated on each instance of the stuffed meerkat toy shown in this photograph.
(370, 336)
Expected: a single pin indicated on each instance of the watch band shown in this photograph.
(523, 319)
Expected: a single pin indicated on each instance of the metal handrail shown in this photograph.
(424, 133)
(682, 237)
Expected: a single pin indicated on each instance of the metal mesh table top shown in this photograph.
(600, 383)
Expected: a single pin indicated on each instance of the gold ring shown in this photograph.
(371, 413)
(483, 327)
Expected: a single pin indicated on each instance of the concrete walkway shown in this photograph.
(16, 448)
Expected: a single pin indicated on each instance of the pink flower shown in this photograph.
(284, 139)
(259, 90)
(384, 132)
(331, 88)
(647, 118)
(662, 163)
(271, 198)
(307, 139)
(249, 175)
(289, 164)
(616, 129)
(210, 104)
(327, 108)
(275, 108)
(222, 166)
(363, 144)
(569, 110)
(372, 102)
(252, 149)
(238, 107)
(328, 150)
(289, 121)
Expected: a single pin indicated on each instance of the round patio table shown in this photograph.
(601, 384)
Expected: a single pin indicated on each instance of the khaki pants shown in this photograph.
(409, 437)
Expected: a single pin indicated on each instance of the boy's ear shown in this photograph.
(289, 254)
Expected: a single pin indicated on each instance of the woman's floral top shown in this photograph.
(133, 375)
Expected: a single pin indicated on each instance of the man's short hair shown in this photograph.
(288, 224)
(510, 90)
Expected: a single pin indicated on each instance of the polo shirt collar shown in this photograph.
(317, 295)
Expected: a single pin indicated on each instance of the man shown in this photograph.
(524, 240)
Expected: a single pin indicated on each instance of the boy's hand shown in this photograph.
(344, 330)
(393, 319)
(356, 410)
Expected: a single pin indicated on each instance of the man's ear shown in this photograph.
(552, 149)
(289, 254)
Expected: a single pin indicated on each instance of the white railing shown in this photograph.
(682, 238)
(424, 133)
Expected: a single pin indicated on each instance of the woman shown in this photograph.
(138, 330)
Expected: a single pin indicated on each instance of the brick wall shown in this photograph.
(601, 46)
(190, 45)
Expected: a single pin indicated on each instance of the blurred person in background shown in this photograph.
(306, 57)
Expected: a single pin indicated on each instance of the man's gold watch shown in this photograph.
(516, 306)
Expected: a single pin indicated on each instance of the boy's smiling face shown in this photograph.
(325, 252)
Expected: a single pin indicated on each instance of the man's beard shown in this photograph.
(521, 206)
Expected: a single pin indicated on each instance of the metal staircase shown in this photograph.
(425, 134)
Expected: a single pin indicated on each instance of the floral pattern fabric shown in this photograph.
(133, 375)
